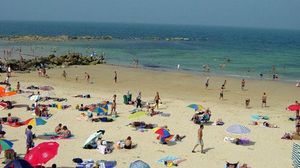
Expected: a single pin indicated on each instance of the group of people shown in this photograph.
(62, 131)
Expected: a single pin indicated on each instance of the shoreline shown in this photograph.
(207, 74)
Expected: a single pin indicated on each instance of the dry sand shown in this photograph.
(177, 90)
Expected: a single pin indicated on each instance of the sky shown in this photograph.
(282, 14)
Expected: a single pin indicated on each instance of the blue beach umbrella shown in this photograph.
(18, 163)
(139, 164)
(238, 129)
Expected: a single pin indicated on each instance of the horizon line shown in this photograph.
(162, 24)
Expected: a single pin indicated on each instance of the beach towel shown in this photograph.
(15, 124)
(259, 117)
(52, 136)
(167, 158)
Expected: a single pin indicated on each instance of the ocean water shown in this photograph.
(250, 51)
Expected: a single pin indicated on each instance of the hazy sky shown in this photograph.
(246, 13)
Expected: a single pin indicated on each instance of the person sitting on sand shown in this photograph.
(247, 102)
(9, 118)
(37, 111)
(44, 112)
(267, 124)
(65, 132)
(2, 133)
(245, 166)
(128, 143)
(83, 96)
(58, 128)
(298, 84)
(152, 112)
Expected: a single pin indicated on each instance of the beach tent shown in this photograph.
(139, 164)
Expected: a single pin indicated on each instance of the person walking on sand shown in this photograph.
(264, 100)
(87, 77)
(243, 84)
(156, 99)
(199, 140)
(221, 93)
(113, 108)
(18, 87)
(116, 77)
(207, 83)
(29, 138)
(64, 75)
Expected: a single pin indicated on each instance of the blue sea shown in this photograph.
(240, 52)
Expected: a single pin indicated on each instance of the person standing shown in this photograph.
(243, 84)
(113, 108)
(264, 100)
(18, 87)
(156, 99)
(200, 139)
(116, 77)
(207, 83)
(87, 77)
(139, 100)
(29, 138)
(64, 75)
(222, 93)
(9, 71)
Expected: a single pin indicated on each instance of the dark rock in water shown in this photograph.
(52, 61)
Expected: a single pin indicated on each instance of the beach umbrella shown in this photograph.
(93, 137)
(42, 153)
(163, 133)
(5, 144)
(294, 107)
(238, 129)
(34, 97)
(46, 88)
(18, 163)
(139, 164)
(100, 110)
(137, 115)
(196, 107)
(35, 121)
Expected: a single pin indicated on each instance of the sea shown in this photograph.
(237, 52)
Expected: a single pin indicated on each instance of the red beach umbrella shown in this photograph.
(294, 107)
(42, 153)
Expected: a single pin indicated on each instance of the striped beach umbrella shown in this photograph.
(196, 107)
(238, 129)
(35, 121)
(296, 155)
(5, 144)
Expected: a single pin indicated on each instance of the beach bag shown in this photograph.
(102, 149)
(125, 99)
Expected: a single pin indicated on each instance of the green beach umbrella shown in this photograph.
(5, 144)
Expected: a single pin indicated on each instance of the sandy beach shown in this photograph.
(177, 90)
